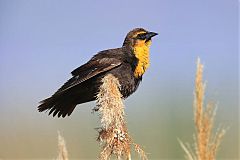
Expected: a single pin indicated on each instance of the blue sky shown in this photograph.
(41, 42)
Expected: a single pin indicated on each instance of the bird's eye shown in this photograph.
(141, 36)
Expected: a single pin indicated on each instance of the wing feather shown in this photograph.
(89, 70)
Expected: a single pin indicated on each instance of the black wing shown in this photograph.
(61, 102)
(89, 70)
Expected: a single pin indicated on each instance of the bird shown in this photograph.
(127, 63)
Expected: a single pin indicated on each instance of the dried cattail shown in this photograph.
(113, 134)
(205, 145)
(62, 149)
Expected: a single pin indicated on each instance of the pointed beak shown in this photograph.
(149, 35)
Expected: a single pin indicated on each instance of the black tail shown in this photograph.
(58, 106)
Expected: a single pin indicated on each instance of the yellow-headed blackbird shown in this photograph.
(127, 63)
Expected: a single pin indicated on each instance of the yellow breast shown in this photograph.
(141, 51)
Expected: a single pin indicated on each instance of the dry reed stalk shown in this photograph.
(62, 149)
(113, 134)
(206, 144)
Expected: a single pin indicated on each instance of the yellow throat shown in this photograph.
(141, 51)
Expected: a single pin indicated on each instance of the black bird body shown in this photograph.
(86, 79)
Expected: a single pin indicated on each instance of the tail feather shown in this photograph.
(57, 106)
(46, 104)
(62, 104)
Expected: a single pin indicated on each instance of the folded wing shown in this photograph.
(64, 101)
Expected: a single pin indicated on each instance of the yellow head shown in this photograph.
(140, 40)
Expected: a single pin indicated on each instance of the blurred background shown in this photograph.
(41, 42)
